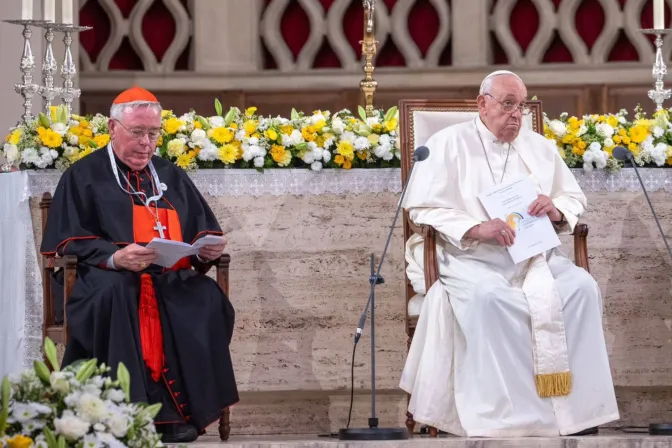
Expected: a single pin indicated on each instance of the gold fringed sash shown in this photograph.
(549, 345)
(554, 384)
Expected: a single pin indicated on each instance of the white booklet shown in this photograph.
(510, 202)
(169, 252)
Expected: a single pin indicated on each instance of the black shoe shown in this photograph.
(585, 432)
(178, 433)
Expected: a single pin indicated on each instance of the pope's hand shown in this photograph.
(495, 229)
(212, 251)
(543, 205)
(134, 258)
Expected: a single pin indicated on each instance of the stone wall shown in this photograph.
(300, 268)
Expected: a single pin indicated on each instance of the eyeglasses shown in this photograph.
(138, 134)
(510, 107)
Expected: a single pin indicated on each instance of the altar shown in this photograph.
(300, 243)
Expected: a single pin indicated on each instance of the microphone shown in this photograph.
(621, 153)
(373, 432)
(421, 153)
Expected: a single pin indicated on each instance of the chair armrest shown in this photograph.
(581, 246)
(431, 265)
(223, 273)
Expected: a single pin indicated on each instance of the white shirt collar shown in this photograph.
(487, 135)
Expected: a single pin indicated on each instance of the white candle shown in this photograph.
(659, 14)
(66, 12)
(27, 10)
(49, 10)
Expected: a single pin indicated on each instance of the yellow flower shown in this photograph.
(280, 155)
(197, 125)
(319, 125)
(362, 155)
(307, 135)
(250, 126)
(173, 125)
(165, 113)
(84, 153)
(222, 135)
(271, 134)
(626, 140)
(159, 142)
(250, 111)
(51, 139)
(669, 160)
(14, 138)
(347, 164)
(578, 151)
(346, 149)
(622, 132)
(633, 147)
(19, 441)
(617, 139)
(373, 139)
(87, 132)
(638, 133)
(377, 128)
(176, 147)
(391, 125)
(286, 129)
(228, 154)
(184, 161)
(339, 159)
(581, 144)
(613, 121)
(101, 140)
(568, 139)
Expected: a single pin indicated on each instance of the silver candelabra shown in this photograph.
(659, 94)
(48, 91)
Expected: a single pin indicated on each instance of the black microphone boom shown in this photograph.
(621, 153)
(373, 432)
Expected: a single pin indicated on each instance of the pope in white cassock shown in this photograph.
(502, 349)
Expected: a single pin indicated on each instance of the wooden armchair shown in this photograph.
(55, 320)
(420, 119)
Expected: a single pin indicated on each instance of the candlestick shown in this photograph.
(49, 10)
(66, 12)
(49, 67)
(368, 85)
(659, 14)
(69, 69)
(27, 88)
(659, 94)
(27, 10)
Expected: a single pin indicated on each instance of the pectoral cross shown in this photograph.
(160, 228)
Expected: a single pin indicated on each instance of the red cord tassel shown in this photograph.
(151, 337)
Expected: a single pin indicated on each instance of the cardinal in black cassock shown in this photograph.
(170, 326)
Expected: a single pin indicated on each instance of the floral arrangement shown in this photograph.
(237, 139)
(75, 407)
(590, 140)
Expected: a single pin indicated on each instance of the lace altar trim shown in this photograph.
(277, 182)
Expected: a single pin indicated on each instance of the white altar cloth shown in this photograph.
(21, 282)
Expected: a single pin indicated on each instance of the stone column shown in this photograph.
(226, 35)
(471, 33)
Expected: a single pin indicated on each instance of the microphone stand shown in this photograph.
(655, 429)
(373, 432)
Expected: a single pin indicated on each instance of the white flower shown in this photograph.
(23, 412)
(40, 442)
(582, 130)
(316, 166)
(59, 128)
(558, 127)
(59, 381)
(73, 140)
(328, 142)
(116, 395)
(362, 143)
(99, 427)
(118, 424)
(595, 146)
(176, 147)
(30, 156)
(349, 136)
(71, 426)
(92, 441)
(658, 132)
(370, 121)
(91, 408)
(216, 122)
(258, 162)
(337, 125)
(31, 426)
(208, 152)
(659, 154)
(316, 119)
(308, 157)
(109, 440)
(11, 152)
(199, 137)
(608, 142)
(326, 156)
(604, 130)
